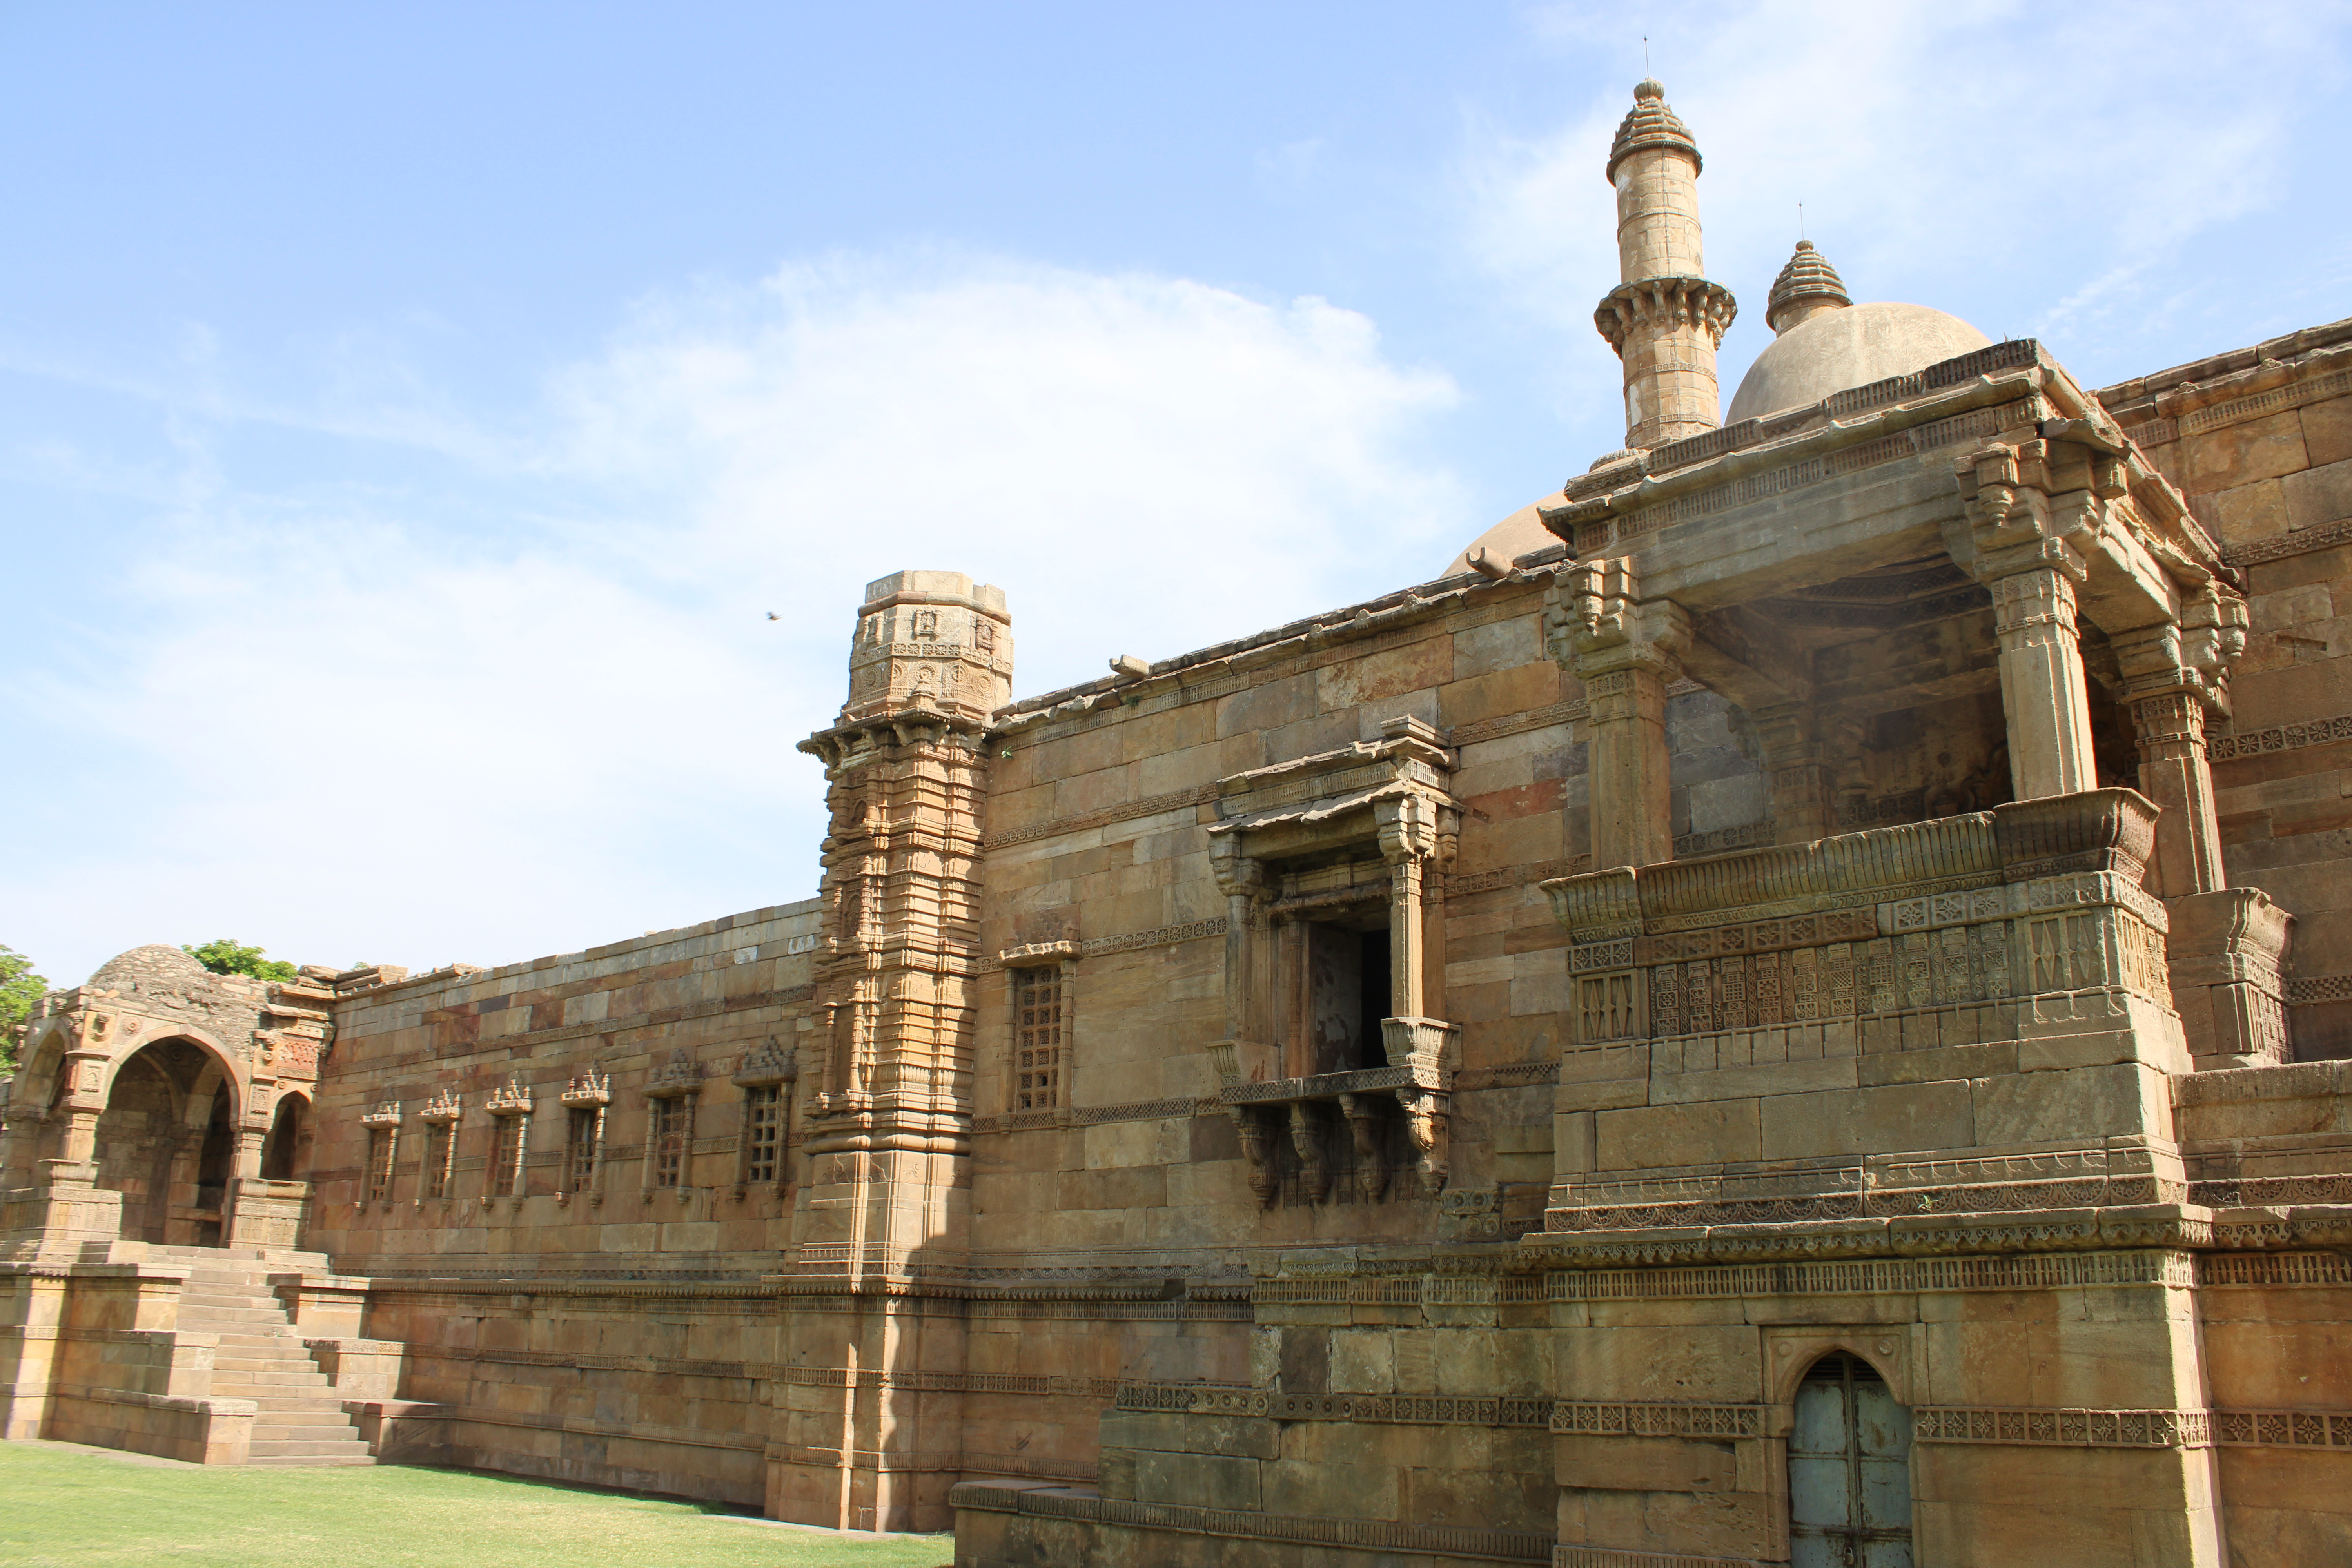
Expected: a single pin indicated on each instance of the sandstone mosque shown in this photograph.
(1792, 1007)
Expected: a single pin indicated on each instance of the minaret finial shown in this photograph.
(1665, 320)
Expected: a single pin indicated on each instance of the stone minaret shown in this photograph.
(886, 1197)
(1665, 320)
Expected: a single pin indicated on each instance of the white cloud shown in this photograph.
(337, 722)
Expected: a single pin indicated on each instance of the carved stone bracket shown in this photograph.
(1420, 1084)
(442, 1109)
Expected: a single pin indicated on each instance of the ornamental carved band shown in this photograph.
(1670, 302)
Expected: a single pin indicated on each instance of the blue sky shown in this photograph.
(409, 414)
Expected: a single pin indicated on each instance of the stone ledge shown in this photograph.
(1310, 1529)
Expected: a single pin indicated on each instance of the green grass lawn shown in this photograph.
(80, 1509)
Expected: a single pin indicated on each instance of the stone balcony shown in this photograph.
(1968, 1015)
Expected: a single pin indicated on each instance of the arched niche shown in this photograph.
(285, 1151)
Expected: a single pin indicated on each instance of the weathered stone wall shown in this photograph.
(694, 1002)
(2260, 440)
(663, 1385)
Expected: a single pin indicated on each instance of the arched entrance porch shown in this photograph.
(166, 1141)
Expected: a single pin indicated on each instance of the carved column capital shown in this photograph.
(1409, 829)
(1238, 875)
(1597, 619)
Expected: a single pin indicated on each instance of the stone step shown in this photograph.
(305, 1427)
(292, 1453)
(286, 1406)
(259, 1347)
(203, 1322)
(241, 1323)
(281, 1377)
(288, 1461)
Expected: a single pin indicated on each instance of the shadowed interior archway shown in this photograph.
(285, 1156)
(166, 1141)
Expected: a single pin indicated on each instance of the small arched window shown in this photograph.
(1849, 1470)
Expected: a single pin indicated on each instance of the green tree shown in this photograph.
(19, 989)
(225, 955)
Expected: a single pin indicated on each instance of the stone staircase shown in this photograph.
(261, 1358)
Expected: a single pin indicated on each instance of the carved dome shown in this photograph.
(155, 961)
(1852, 347)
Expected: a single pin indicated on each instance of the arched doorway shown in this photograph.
(165, 1141)
(1849, 1470)
(285, 1155)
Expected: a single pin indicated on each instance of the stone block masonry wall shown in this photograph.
(676, 1012)
(586, 1308)
(2260, 440)
(659, 1387)
(1098, 841)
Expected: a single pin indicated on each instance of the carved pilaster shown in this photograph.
(1795, 770)
(1243, 881)
(1625, 652)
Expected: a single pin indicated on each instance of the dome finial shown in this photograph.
(1807, 286)
(1649, 87)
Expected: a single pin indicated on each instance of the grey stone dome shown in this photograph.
(155, 961)
(1852, 347)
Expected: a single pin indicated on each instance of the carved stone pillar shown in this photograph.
(1801, 808)
(1410, 837)
(2027, 521)
(2173, 772)
(2226, 945)
(1243, 882)
(2176, 677)
(1625, 652)
(76, 1159)
(2042, 688)
(1408, 830)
